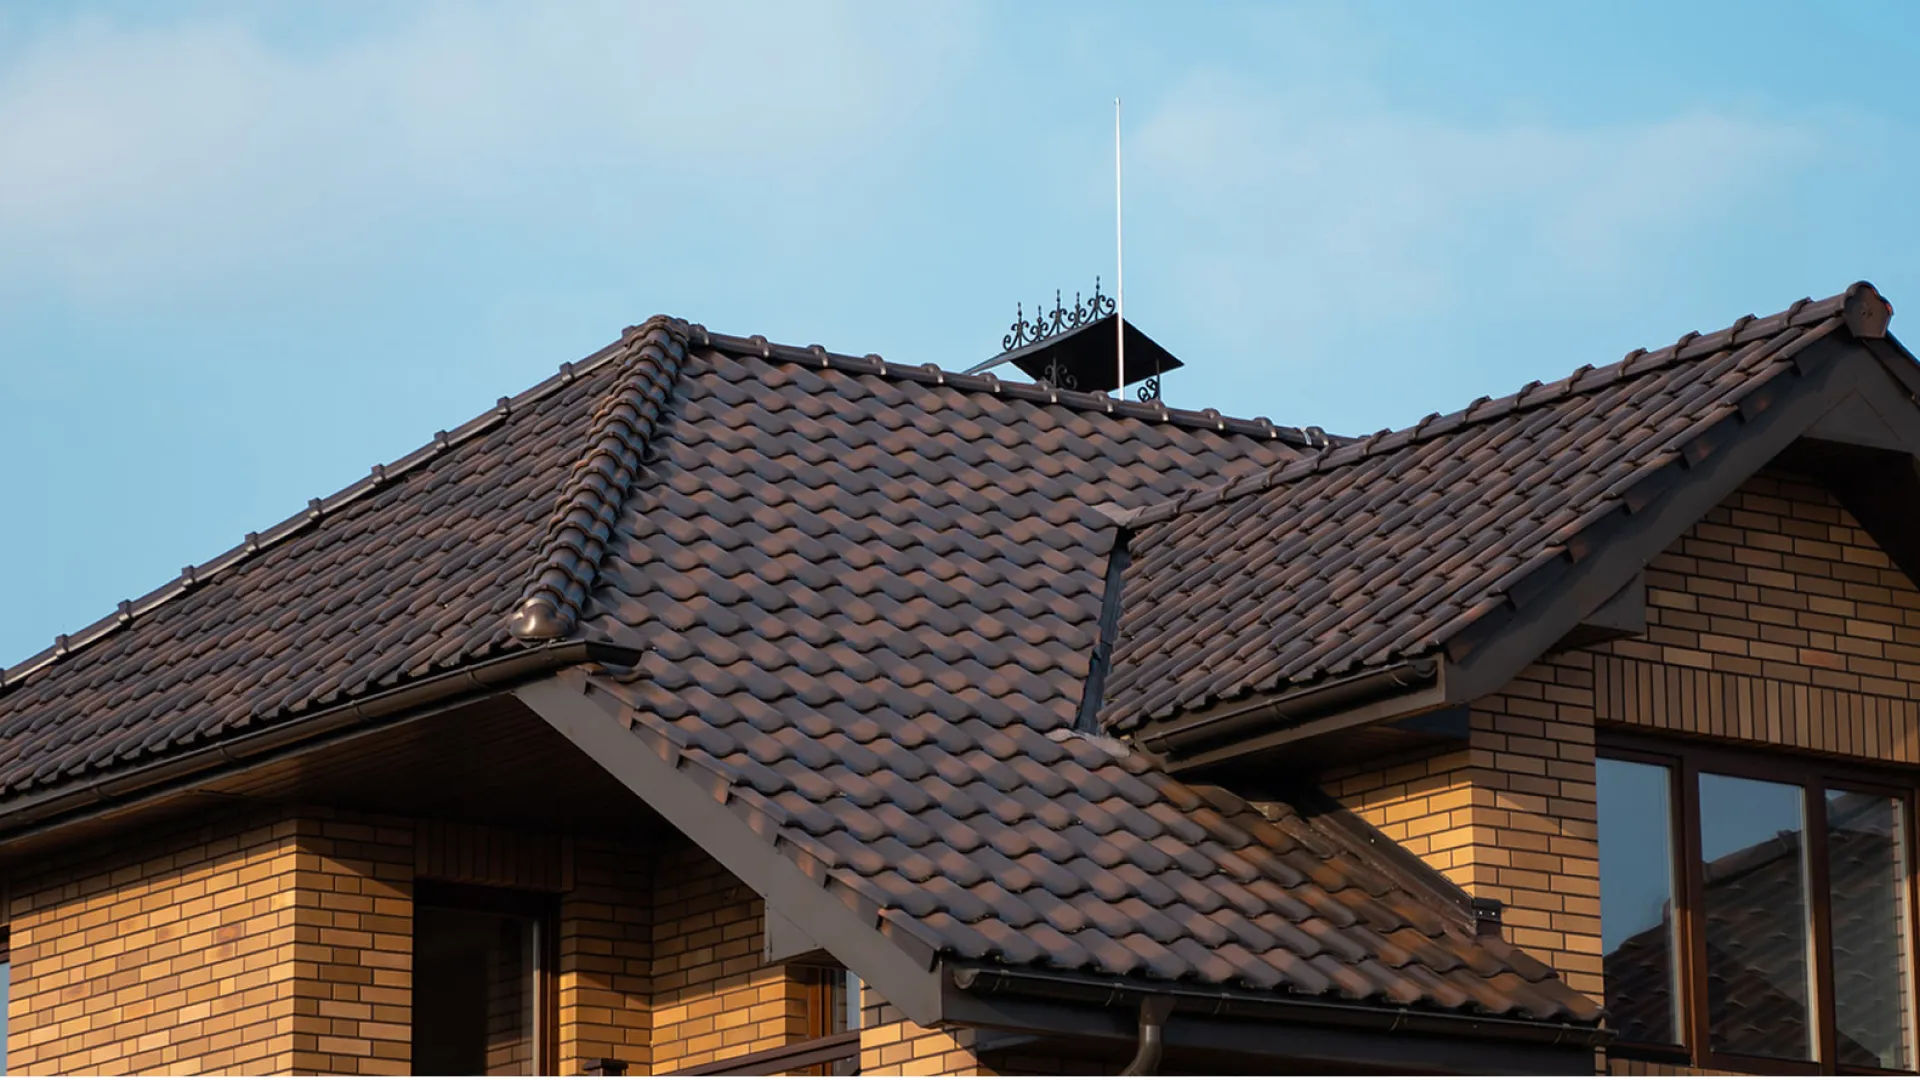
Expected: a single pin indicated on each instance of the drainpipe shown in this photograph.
(1154, 1011)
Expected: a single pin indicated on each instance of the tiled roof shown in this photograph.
(867, 597)
(406, 573)
(1385, 548)
(869, 606)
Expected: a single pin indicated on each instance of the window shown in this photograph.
(833, 1001)
(479, 988)
(833, 1008)
(1755, 911)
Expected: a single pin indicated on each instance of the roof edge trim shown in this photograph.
(1202, 735)
(791, 882)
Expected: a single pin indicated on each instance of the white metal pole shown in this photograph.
(1119, 269)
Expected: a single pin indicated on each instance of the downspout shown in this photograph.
(1154, 1011)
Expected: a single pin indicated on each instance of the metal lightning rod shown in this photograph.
(1119, 269)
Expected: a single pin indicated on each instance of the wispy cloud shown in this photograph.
(1283, 208)
(135, 152)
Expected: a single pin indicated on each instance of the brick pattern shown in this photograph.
(1775, 620)
(1535, 822)
(1424, 804)
(283, 944)
(892, 1045)
(180, 959)
(713, 997)
(605, 982)
(1512, 816)
(353, 960)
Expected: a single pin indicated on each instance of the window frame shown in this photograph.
(1685, 760)
(543, 910)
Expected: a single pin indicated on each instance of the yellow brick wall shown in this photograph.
(713, 998)
(178, 959)
(1776, 622)
(892, 1045)
(605, 984)
(1512, 816)
(353, 952)
(1425, 805)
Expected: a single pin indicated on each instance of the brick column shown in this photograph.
(605, 985)
(353, 961)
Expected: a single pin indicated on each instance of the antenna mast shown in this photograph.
(1119, 270)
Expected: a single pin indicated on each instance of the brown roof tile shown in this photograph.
(1387, 547)
(867, 597)
(957, 619)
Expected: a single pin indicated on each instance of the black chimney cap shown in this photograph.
(1083, 358)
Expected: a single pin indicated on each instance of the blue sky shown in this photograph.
(246, 251)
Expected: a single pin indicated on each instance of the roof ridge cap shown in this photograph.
(1852, 308)
(654, 353)
(817, 356)
(377, 479)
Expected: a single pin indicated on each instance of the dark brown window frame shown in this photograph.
(1685, 759)
(544, 909)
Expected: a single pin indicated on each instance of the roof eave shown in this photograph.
(1273, 1026)
(76, 802)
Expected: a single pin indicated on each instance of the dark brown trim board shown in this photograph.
(1607, 556)
(590, 718)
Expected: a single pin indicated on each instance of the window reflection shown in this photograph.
(474, 993)
(1866, 878)
(1636, 906)
(1753, 868)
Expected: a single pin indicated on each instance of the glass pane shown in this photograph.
(1755, 899)
(1636, 901)
(473, 993)
(1867, 875)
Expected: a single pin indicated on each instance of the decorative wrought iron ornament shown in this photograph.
(1149, 389)
(1061, 319)
(1058, 374)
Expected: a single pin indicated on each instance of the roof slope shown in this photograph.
(1388, 547)
(868, 607)
(407, 573)
(866, 597)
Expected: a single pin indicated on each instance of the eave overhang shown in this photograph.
(1221, 1027)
